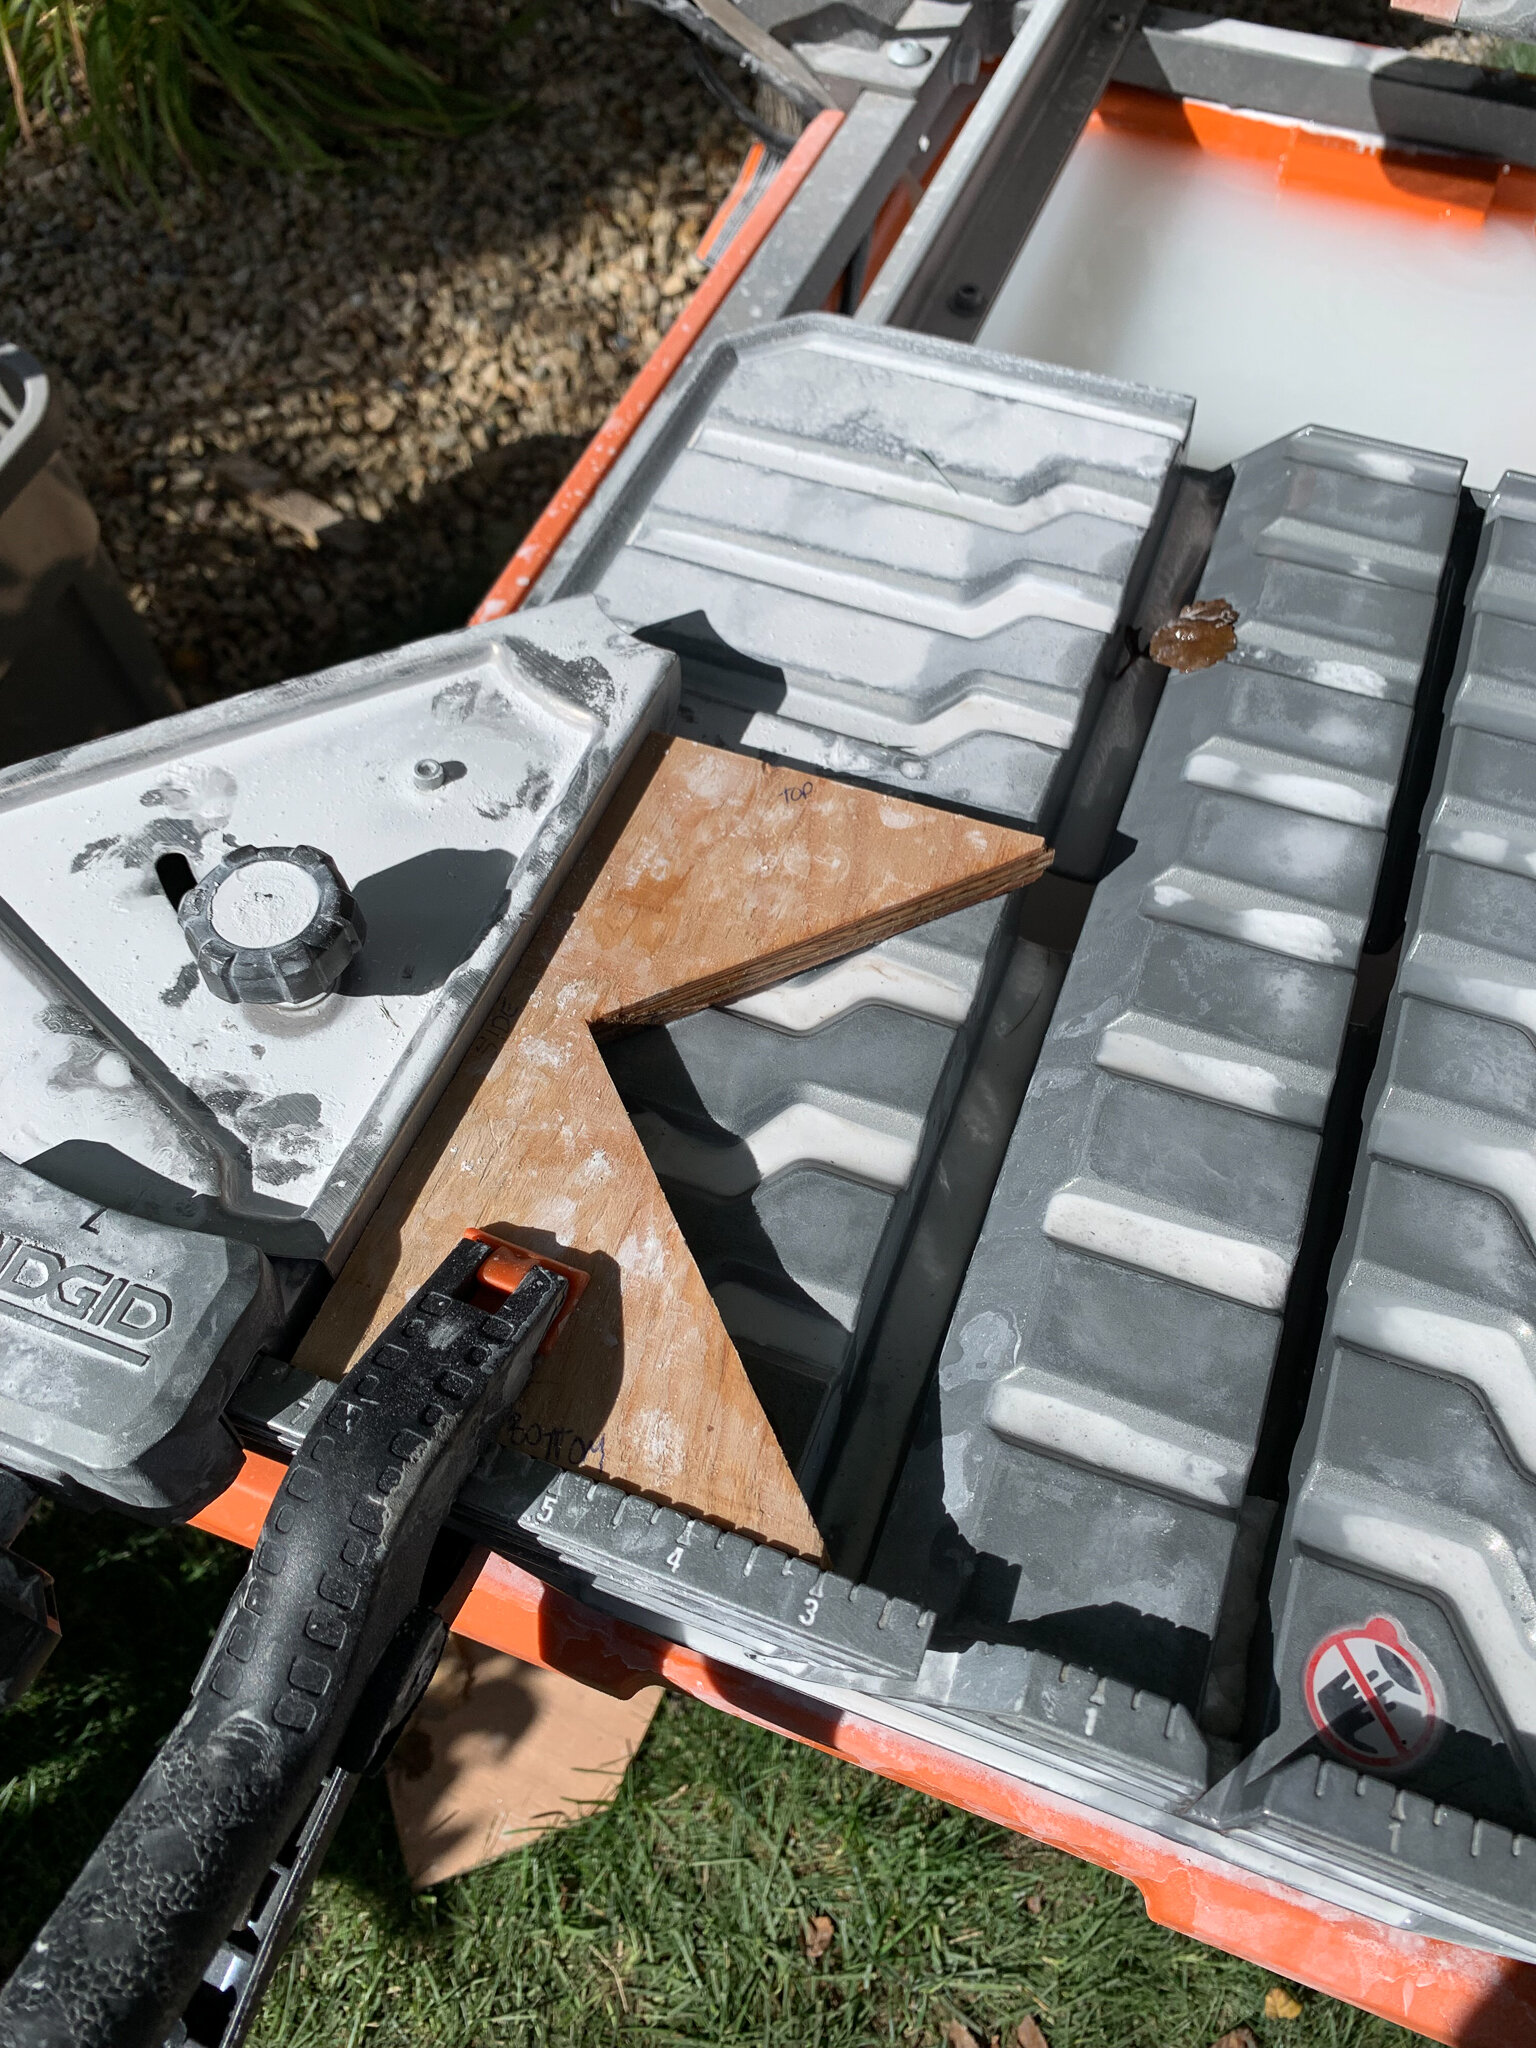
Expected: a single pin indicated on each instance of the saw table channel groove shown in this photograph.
(703, 883)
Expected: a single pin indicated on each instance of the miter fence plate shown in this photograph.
(1076, 1504)
(895, 558)
(1402, 1712)
(783, 1610)
(794, 1134)
(126, 1080)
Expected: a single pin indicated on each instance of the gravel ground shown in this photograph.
(421, 347)
(424, 347)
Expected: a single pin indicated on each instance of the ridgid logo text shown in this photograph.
(107, 1312)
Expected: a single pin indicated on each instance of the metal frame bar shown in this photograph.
(974, 218)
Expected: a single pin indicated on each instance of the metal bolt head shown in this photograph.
(967, 300)
(908, 52)
(429, 774)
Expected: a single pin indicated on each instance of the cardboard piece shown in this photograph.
(500, 1752)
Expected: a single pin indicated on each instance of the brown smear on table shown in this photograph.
(711, 875)
(1204, 633)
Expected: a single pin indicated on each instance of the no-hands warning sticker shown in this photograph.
(1373, 1696)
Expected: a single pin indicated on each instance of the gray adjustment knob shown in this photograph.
(272, 924)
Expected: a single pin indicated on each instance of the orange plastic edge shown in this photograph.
(1455, 1995)
(509, 1265)
(1430, 184)
(751, 163)
(559, 515)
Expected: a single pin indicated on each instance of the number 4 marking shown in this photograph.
(675, 1558)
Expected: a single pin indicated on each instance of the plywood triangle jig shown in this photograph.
(710, 876)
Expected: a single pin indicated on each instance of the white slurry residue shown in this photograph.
(1298, 934)
(549, 1053)
(1137, 1445)
(1483, 849)
(1471, 978)
(1274, 306)
(265, 903)
(1236, 1267)
(804, 1134)
(661, 1442)
(1483, 834)
(989, 1344)
(643, 1256)
(897, 817)
(1269, 779)
(1211, 1070)
(959, 1493)
(558, 1215)
(1421, 1131)
(1352, 677)
(1466, 1563)
(811, 1000)
(1290, 932)
(1025, 711)
(1028, 594)
(1379, 1311)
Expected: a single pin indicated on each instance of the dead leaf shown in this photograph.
(1280, 2005)
(818, 1937)
(958, 2035)
(1240, 2037)
(1035, 1904)
(1203, 634)
(303, 513)
(1029, 2034)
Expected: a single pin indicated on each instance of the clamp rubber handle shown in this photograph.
(332, 1586)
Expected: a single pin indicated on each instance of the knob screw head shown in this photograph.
(907, 52)
(272, 924)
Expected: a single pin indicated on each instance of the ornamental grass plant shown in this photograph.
(157, 87)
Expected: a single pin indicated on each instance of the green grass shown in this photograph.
(151, 84)
(676, 1916)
